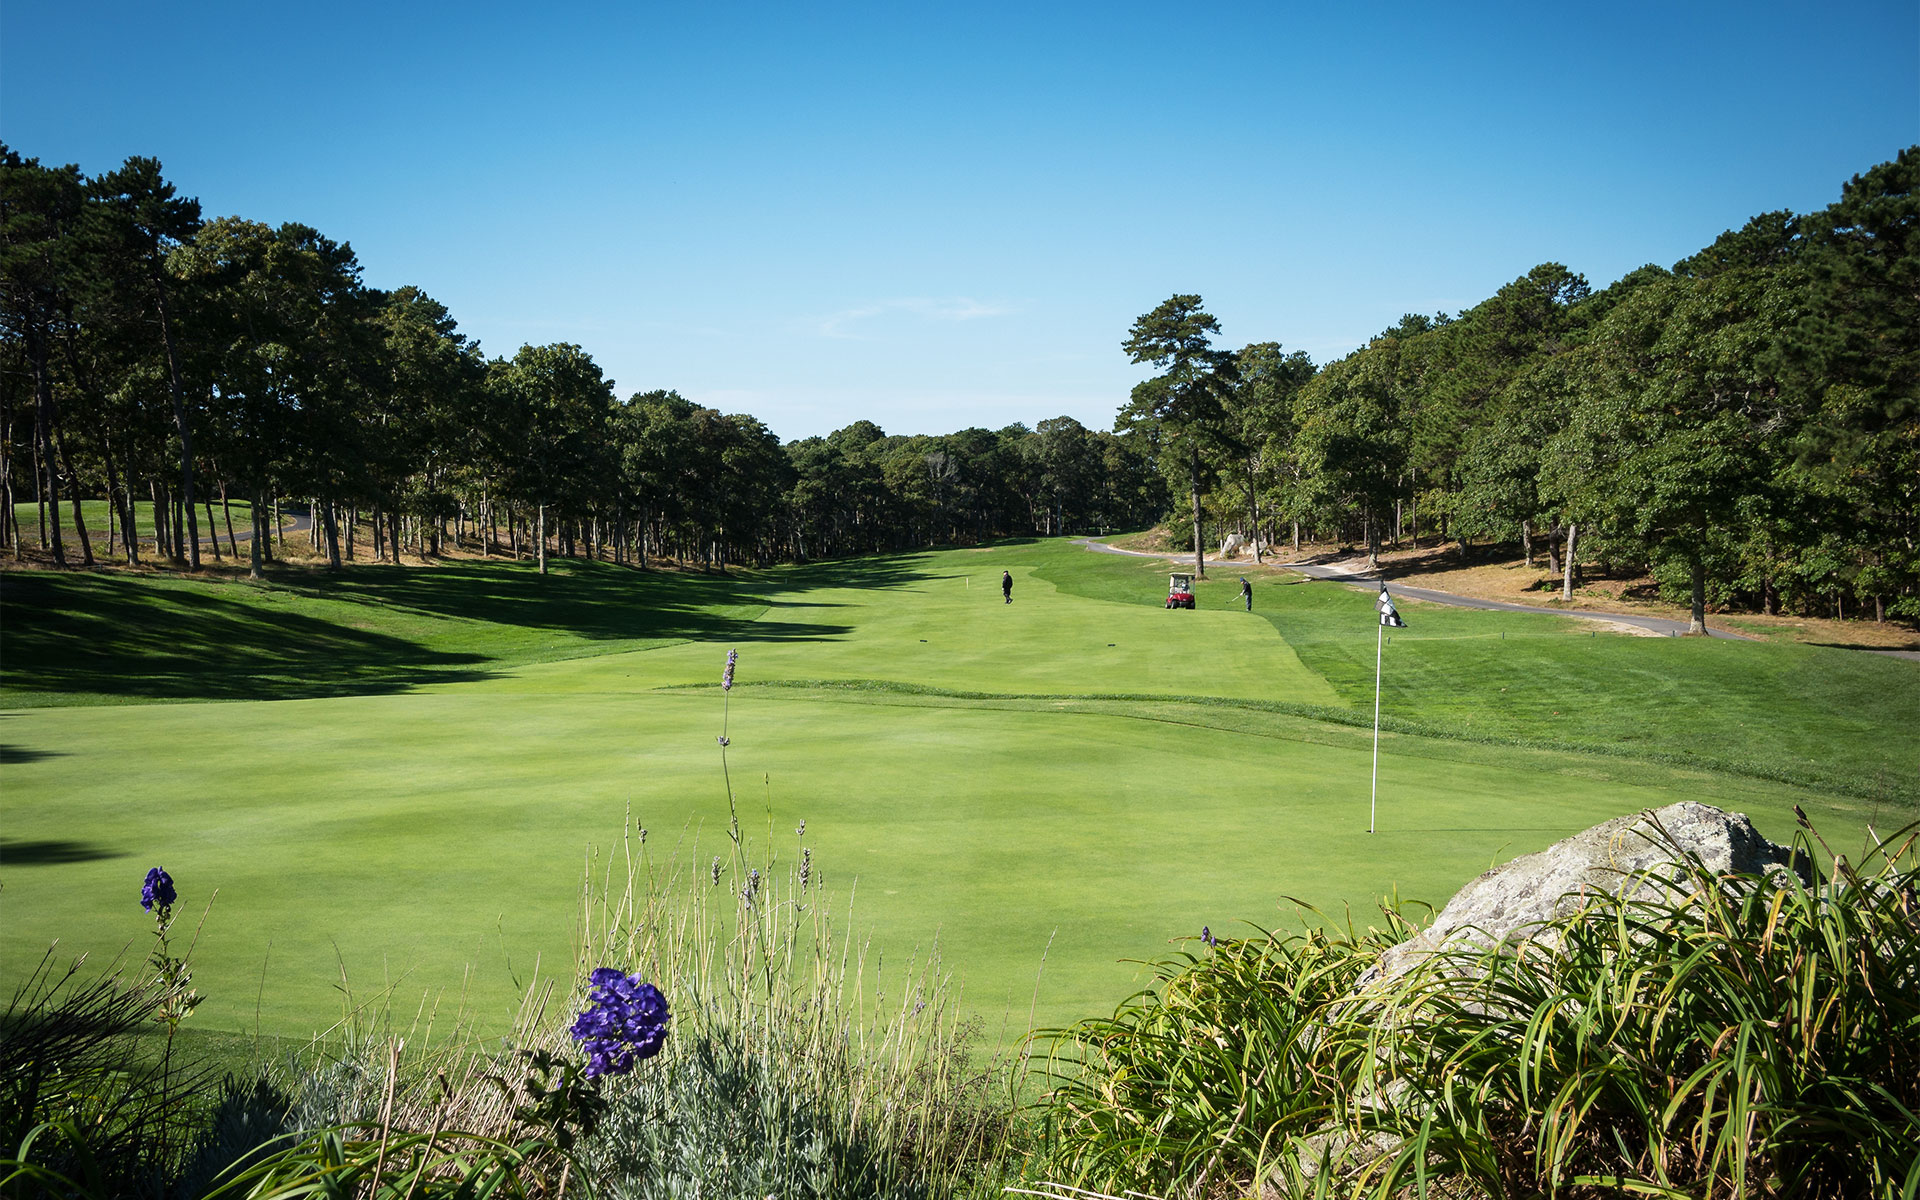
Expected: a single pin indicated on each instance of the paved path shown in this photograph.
(300, 522)
(1663, 626)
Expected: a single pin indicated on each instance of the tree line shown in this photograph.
(1744, 425)
(169, 362)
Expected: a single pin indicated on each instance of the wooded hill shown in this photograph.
(1746, 425)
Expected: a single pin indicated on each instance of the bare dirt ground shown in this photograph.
(1478, 573)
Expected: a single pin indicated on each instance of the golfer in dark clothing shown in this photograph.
(1246, 592)
(1006, 585)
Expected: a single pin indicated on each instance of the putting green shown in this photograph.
(999, 779)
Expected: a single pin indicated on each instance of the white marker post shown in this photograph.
(1389, 619)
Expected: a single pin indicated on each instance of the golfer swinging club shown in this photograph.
(1246, 592)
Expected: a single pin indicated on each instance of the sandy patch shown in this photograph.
(1622, 627)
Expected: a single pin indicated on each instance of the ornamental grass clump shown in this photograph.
(1723, 1035)
(1704, 1035)
(1203, 1079)
(800, 1063)
(85, 1100)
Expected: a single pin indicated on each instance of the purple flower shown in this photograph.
(157, 890)
(726, 677)
(1206, 935)
(625, 1021)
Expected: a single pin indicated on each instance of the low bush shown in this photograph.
(1718, 1036)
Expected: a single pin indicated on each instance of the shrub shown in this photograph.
(1718, 1036)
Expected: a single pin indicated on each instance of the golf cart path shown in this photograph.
(1659, 626)
(299, 522)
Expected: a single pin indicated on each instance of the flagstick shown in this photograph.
(1379, 638)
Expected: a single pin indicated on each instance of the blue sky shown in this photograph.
(936, 217)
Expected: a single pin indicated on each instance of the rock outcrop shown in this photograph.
(1508, 901)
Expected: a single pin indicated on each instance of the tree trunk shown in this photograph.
(79, 522)
(49, 488)
(9, 524)
(1566, 584)
(213, 530)
(333, 535)
(1199, 547)
(132, 528)
(1253, 494)
(39, 486)
(1697, 615)
(1553, 550)
(393, 535)
(162, 534)
(180, 423)
(255, 544)
(1526, 542)
(123, 512)
(541, 538)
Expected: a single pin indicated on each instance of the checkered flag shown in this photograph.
(1389, 615)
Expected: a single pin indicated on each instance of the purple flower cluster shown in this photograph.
(726, 677)
(625, 1021)
(157, 890)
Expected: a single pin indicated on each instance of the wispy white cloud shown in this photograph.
(953, 308)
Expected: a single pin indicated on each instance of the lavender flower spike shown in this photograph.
(726, 677)
(158, 889)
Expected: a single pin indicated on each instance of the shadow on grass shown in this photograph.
(601, 602)
(124, 636)
(51, 852)
(314, 634)
(20, 755)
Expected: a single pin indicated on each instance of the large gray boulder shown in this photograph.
(1506, 903)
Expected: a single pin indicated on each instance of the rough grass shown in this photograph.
(421, 757)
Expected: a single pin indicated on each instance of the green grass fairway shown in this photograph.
(99, 515)
(414, 763)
